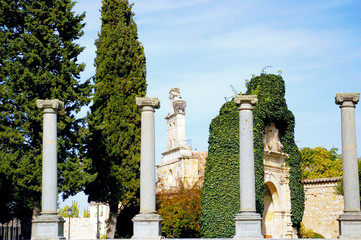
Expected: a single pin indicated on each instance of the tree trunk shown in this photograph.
(112, 221)
(36, 209)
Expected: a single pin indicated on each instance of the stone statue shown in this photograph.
(177, 104)
(174, 94)
(271, 139)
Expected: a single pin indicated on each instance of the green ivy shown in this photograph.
(220, 193)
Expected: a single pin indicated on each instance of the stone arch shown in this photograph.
(271, 221)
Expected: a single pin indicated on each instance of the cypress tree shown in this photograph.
(39, 61)
(114, 121)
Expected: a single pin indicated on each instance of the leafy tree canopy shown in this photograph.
(74, 207)
(39, 61)
(320, 163)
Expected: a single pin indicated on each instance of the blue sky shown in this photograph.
(205, 46)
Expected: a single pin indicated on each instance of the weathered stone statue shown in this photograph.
(271, 139)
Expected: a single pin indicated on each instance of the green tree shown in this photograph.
(320, 163)
(74, 210)
(39, 61)
(220, 193)
(181, 212)
(114, 121)
(86, 212)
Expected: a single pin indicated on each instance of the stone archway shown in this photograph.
(277, 212)
(271, 220)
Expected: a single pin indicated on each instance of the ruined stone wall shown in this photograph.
(322, 206)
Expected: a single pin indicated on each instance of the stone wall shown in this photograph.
(80, 228)
(86, 228)
(322, 206)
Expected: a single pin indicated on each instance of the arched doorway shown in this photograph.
(271, 223)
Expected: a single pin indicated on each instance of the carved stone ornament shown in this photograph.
(239, 99)
(342, 97)
(151, 102)
(54, 104)
(284, 180)
(267, 176)
(271, 139)
(179, 106)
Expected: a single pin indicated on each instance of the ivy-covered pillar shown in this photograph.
(49, 225)
(350, 220)
(147, 222)
(248, 222)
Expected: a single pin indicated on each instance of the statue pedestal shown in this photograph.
(49, 227)
(350, 225)
(248, 225)
(147, 226)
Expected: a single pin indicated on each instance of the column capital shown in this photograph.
(55, 104)
(245, 99)
(347, 97)
(147, 102)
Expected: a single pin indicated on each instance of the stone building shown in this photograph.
(179, 164)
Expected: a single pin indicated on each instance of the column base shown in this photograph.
(47, 227)
(248, 225)
(147, 226)
(350, 225)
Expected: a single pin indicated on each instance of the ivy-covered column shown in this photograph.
(147, 222)
(248, 222)
(350, 220)
(49, 225)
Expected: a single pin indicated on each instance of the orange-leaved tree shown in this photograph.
(181, 212)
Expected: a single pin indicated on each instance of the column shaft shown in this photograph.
(147, 164)
(246, 159)
(50, 159)
(349, 158)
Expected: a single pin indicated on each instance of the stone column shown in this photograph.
(147, 222)
(49, 225)
(248, 222)
(350, 220)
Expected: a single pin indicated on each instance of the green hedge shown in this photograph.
(220, 193)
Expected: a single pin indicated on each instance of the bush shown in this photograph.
(181, 212)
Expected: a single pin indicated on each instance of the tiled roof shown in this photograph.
(322, 180)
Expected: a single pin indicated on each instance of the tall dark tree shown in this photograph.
(38, 60)
(114, 121)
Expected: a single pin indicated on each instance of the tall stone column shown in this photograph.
(49, 225)
(248, 222)
(350, 220)
(147, 222)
